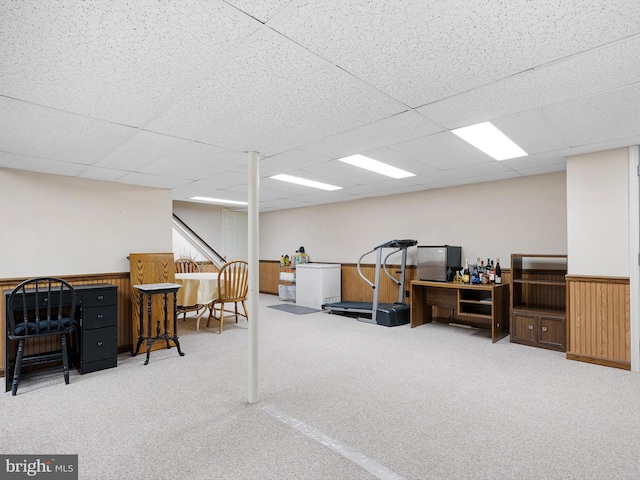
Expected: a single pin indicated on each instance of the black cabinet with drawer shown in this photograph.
(97, 314)
(97, 338)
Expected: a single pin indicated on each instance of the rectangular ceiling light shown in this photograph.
(305, 182)
(376, 166)
(219, 200)
(490, 140)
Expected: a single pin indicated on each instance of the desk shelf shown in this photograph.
(484, 306)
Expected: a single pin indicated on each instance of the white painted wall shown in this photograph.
(54, 225)
(489, 220)
(205, 220)
(598, 213)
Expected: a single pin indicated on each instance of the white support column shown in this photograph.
(634, 255)
(254, 276)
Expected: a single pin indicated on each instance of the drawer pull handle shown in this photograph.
(99, 343)
(100, 316)
(100, 297)
(497, 325)
(544, 329)
(530, 327)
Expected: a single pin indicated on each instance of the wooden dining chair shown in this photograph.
(186, 265)
(41, 307)
(233, 286)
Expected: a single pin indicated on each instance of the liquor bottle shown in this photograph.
(475, 278)
(466, 276)
(498, 274)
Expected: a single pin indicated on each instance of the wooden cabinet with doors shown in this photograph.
(538, 300)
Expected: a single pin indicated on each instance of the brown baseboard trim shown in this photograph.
(599, 361)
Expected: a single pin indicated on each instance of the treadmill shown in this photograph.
(386, 314)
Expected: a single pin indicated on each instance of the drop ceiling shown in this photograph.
(174, 94)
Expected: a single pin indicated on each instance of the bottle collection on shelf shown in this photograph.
(288, 265)
(479, 273)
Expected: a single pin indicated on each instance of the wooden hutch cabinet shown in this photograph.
(538, 300)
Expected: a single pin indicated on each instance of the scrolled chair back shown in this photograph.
(49, 310)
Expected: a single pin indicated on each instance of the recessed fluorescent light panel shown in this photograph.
(486, 137)
(305, 182)
(376, 166)
(219, 200)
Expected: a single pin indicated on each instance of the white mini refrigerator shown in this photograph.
(318, 284)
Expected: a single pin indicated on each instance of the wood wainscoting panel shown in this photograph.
(598, 320)
(355, 289)
(269, 271)
(120, 279)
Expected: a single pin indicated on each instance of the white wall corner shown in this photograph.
(634, 255)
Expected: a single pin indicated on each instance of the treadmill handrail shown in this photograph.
(384, 266)
(398, 244)
(360, 271)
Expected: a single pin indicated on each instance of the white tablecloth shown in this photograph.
(198, 289)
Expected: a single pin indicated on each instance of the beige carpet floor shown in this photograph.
(434, 402)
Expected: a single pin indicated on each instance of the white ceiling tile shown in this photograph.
(152, 180)
(336, 29)
(289, 160)
(185, 192)
(262, 10)
(325, 173)
(43, 132)
(265, 193)
(194, 160)
(464, 174)
(222, 179)
(174, 94)
(442, 151)
(531, 131)
(287, 189)
(457, 49)
(123, 61)
(266, 69)
(280, 204)
(536, 161)
(609, 115)
(399, 160)
(572, 77)
(104, 174)
(342, 174)
(334, 100)
(395, 129)
(225, 195)
(321, 197)
(387, 187)
(41, 165)
(141, 149)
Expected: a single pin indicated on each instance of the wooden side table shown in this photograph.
(147, 291)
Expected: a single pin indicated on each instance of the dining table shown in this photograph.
(199, 289)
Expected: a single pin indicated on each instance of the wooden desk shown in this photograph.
(483, 306)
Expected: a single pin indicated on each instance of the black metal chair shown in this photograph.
(41, 307)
